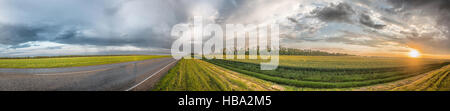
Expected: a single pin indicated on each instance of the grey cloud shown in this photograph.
(16, 34)
(144, 38)
(392, 21)
(115, 8)
(147, 22)
(438, 9)
(343, 13)
(293, 20)
(349, 38)
(340, 13)
(367, 21)
(20, 46)
(300, 26)
(65, 21)
(412, 4)
(54, 47)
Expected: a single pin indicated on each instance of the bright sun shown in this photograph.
(414, 53)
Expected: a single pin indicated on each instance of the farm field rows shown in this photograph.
(438, 80)
(319, 72)
(347, 62)
(57, 62)
(198, 75)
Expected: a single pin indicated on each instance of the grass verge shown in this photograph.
(58, 62)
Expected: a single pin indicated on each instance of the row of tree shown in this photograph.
(292, 51)
(308, 52)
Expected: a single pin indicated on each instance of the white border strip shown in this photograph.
(150, 76)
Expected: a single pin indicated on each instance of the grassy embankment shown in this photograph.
(57, 62)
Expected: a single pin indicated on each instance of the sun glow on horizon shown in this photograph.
(414, 53)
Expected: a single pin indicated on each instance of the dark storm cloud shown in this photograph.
(141, 23)
(367, 21)
(16, 34)
(144, 38)
(340, 13)
(436, 8)
(343, 13)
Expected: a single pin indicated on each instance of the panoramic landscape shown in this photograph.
(310, 73)
(225, 45)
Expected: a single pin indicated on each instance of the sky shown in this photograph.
(360, 27)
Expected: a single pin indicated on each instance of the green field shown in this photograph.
(197, 75)
(57, 62)
(346, 62)
(309, 73)
(334, 71)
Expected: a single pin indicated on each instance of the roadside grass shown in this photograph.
(197, 75)
(58, 62)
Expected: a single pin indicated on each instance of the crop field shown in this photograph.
(345, 62)
(198, 75)
(434, 81)
(335, 71)
(57, 62)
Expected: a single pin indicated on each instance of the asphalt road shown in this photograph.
(137, 75)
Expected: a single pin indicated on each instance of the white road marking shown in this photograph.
(150, 76)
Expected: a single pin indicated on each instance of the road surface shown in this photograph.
(138, 75)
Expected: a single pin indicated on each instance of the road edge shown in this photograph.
(151, 80)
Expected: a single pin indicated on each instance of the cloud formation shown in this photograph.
(434, 38)
(143, 25)
(103, 22)
(367, 21)
(340, 13)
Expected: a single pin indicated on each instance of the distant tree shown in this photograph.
(294, 51)
(308, 52)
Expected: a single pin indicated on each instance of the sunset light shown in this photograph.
(414, 53)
